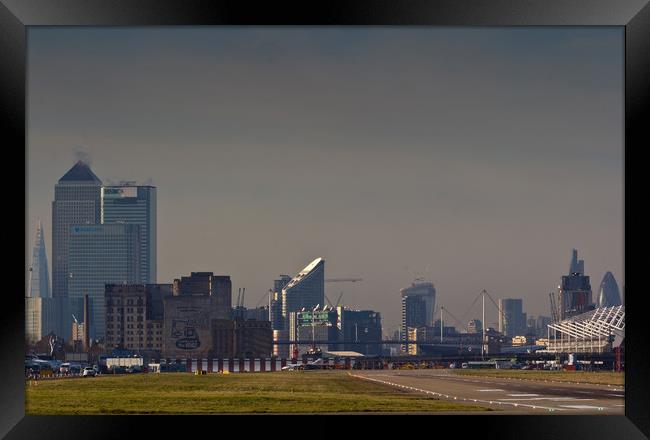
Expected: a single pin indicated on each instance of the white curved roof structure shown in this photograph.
(597, 323)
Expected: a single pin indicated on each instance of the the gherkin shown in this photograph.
(608, 295)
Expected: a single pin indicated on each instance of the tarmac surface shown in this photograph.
(511, 396)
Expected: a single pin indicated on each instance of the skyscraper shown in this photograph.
(608, 295)
(418, 308)
(134, 205)
(39, 280)
(575, 290)
(275, 302)
(577, 266)
(305, 290)
(427, 291)
(512, 320)
(77, 201)
(100, 255)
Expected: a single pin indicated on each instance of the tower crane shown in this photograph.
(342, 280)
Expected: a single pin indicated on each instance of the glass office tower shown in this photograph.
(77, 201)
(134, 205)
(512, 320)
(100, 255)
(39, 280)
(609, 295)
(305, 290)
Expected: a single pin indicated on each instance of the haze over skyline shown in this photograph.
(474, 157)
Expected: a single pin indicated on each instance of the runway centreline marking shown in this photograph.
(495, 389)
(523, 395)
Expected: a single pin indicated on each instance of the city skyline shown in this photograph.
(385, 181)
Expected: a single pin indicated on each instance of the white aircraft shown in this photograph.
(313, 365)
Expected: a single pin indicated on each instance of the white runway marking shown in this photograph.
(523, 395)
(496, 389)
(581, 407)
(554, 399)
(616, 395)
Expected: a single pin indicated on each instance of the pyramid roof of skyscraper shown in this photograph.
(80, 172)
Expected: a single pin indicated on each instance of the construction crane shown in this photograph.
(554, 310)
(342, 280)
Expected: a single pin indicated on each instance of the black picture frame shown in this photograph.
(634, 16)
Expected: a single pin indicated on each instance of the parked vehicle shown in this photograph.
(88, 372)
(464, 365)
(117, 369)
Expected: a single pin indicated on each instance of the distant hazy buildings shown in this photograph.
(40, 310)
(360, 329)
(43, 316)
(100, 255)
(305, 290)
(538, 326)
(39, 280)
(512, 320)
(474, 326)
(136, 205)
(418, 307)
(77, 201)
(575, 290)
(608, 295)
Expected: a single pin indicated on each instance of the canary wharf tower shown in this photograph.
(77, 201)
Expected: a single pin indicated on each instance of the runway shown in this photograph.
(508, 395)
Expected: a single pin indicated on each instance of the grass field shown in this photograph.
(600, 377)
(183, 393)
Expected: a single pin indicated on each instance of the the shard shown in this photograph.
(39, 280)
(608, 295)
(577, 266)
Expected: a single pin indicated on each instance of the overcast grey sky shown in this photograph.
(475, 157)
